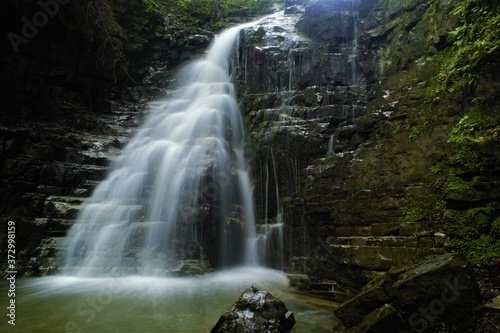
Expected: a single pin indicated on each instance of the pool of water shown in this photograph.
(60, 304)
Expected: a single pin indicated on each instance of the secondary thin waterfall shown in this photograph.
(180, 190)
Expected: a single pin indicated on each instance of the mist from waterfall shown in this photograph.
(180, 190)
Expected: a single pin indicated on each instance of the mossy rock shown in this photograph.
(444, 286)
(381, 320)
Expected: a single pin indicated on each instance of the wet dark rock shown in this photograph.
(440, 289)
(295, 2)
(323, 288)
(256, 311)
(293, 10)
(382, 320)
(49, 164)
(328, 21)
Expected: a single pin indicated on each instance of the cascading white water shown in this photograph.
(271, 233)
(330, 151)
(177, 185)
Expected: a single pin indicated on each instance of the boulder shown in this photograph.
(442, 289)
(255, 311)
(381, 320)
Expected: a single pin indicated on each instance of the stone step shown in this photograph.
(389, 241)
(266, 228)
(379, 229)
(55, 227)
(62, 207)
(307, 114)
(380, 258)
(69, 199)
(323, 288)
(47, 257)
(89, 184)
(58, 227)
(53, 190)
(416, 240)
(51, 177)
(80, 192)
(58, 207)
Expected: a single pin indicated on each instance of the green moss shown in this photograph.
(473, 52)
(474, 231)
(495, 227)
(475, 161)
(469, 224)
(153, 6)
(412, 214)
(460, 99)
(216, 13)
(473, 136)
(435, 169)
(482, 249)
(476, 43)
(393, 6)
(457, 185)
(428, 211)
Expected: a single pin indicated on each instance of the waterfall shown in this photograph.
(353, 58)
(330, 151)
(354, 51)
(270, 241)
(180, 190)
(354, 45)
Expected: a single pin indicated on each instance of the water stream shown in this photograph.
(270, 241)
(180, 190)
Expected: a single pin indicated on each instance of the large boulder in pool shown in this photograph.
(256, 311)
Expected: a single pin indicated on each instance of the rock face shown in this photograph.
(49, 166)
(256, 311)
(442, 289)
(294, 91)
(351, 142)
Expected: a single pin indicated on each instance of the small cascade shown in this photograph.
(287, 91)
(271, 233)
(290, 64)
(330, 151)
(180, 192)
(354, 51)
(355, 84)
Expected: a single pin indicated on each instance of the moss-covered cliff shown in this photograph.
(443, 70)
(382, 125)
